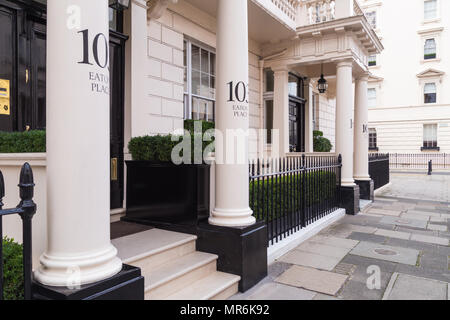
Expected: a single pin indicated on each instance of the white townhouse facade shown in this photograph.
(180, 60)
(409, 101)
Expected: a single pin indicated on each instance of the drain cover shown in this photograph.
(385, 252)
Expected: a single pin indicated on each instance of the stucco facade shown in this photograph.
(398, 111)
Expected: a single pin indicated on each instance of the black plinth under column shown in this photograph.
(242, 251)
(350, 199)
(366, 189)
(128, 284)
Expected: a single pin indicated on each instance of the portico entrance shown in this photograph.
(23, 64)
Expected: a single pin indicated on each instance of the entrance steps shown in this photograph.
(173, 269)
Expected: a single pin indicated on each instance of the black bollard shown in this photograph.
(430, 167)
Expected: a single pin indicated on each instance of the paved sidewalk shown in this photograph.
(397, 249)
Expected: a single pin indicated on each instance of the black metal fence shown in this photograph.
(379, 169)
(291, 193)
(26, 209)
(419, 160)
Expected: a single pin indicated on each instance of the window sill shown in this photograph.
(430, 149)
(430, 60)
(435, 20)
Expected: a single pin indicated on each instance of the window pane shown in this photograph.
(430, 135)
(210, 111)
(430, 8)
(199, 107)
(293, 86)
(212, 63)
(430, 93)
(195, 82)
(372, 60)
(372, 97)
(430, 49)
(212, 88)
(195, 57)
(204, 91)
(205, 61)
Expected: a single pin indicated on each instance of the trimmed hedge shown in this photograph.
(22, 142)
(288, 195)
(13, 286)
(321, 144)
(159, 148)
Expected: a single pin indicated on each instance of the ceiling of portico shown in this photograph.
(262, 27)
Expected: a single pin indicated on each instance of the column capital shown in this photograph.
(363, 76)
(344, 63)
(279, 68)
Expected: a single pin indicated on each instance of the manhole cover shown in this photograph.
(403, 221)
(385, 252)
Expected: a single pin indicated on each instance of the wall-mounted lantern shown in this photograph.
(119, 4)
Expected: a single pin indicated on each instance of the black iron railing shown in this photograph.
(379, 169)
(291, 193)
(26, 210)
(419, 160)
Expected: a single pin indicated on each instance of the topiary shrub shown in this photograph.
(321, 144)
(159, 148)
(13, 287)
(22, 142)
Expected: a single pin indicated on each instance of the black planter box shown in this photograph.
(167, 196)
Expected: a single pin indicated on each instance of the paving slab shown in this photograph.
(388, 253)
(277, 291)
(437, 227)
(323, 249)
(405, 222)
(430, 239)
(407, 287)
(315, 280)
(321, 296)
(385, 212)
(415, 216)
(425, 213)
(393, 234)
(308, 259)
(436, 219)
(334, 241)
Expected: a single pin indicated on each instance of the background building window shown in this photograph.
(430, 49)
(372, 97)
(430, 9)
(430, 136)
(372, 18)
(269, 84)
(372, 60)
(199, 82)
(430, 93)
(373, 139)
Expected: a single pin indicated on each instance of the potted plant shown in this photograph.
(165, 194)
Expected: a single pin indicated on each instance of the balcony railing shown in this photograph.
(318, 11)
(288, 7)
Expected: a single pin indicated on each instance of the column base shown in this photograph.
(366, 189)
(242, 250)
(232, 218)
(350, 199)
(128, 284)
(61, 271)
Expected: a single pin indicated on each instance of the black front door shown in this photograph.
(117, 72)
(296, 125)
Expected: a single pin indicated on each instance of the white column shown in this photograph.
(281, 109)
(361, 138)
(232, 114)
(79, 250)
(344, 119)
(309, 115)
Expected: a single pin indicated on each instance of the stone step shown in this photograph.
(150, 249)
(177, 274)
(217, 286)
